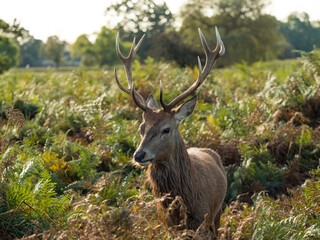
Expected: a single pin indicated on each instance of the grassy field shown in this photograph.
(68, 135)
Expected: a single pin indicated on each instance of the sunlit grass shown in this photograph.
(66, 155)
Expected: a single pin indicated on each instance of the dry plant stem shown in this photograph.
(231, 215)
(99, 230)
(2, 143)
(5, 232)
(39, 213)
(32, 209)
(245, 222)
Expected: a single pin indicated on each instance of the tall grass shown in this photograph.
(67, 138)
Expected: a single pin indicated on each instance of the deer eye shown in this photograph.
(166, 130)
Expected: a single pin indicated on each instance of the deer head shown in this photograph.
(159, 131)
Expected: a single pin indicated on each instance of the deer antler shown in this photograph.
(211, 57)
(127, 63)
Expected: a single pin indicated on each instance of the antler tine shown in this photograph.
(127, 63)
(204, 43)
(139, 104)
(133, 50)
(163, 104)
(199, 64)
(220, 44)
(211, 57)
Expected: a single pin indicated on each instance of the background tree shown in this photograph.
(300, 32)
(83, 51)
(30, 48)
(136, 18)
(9, 50)
(31, 52)
(104, 47)
(248, 34)
(14, 29)
(101, 52)
(54, 49)
(171, 47)
(9, 53)
(79, 47)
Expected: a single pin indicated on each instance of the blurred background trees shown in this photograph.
(9, 49)
(100, 52)
(300, 32)
(135, 18)
(82, 50)
(8, 54)
(14, 29)
(249, 34)
(31, 51)
(54, 49)
(104, 47)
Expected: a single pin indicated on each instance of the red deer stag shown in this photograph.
(194, 174)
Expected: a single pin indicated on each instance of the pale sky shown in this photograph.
(70, 18)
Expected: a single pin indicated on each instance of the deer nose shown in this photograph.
(139, 156)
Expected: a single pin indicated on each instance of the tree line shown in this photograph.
(248, 32)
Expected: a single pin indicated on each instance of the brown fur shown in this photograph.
(194, 174)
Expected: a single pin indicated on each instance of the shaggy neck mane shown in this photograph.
(172, 175)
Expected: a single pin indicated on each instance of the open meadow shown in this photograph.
(68, 136)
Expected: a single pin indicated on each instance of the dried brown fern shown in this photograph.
(15, 118)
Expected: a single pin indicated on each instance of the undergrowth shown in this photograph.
(67, 139)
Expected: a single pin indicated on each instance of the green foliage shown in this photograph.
(13, 28)
(80, 46)
(285, 220)
(41, 195)
(9, 52)
(249, 34)
(28, 188)
(85, 165)
(140, 17)
(300, 32)
(54, 49)
(135, 18)
(101, 52)
(83, 50)
(256, 172)
(105, 40)
(29, 110)
(79, 132)
(289, 217)
(31, 52)
(119, 190)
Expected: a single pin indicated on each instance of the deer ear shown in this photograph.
(185, 109)
(151, 102)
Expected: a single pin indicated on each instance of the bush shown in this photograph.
(9, 54)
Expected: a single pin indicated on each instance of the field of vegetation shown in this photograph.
(68, 135)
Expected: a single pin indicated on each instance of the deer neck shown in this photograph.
(171, 175)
